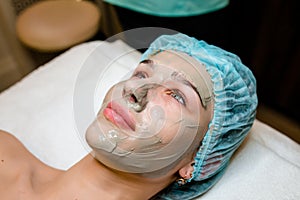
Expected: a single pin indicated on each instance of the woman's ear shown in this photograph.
(186, 171)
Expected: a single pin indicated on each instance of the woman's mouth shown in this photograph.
(119, 116)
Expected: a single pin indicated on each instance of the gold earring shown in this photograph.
(181, 181)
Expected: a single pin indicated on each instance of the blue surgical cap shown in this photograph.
(235, 102)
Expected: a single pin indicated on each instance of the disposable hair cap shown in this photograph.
(235, 102)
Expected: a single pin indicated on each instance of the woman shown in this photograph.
(167, 132)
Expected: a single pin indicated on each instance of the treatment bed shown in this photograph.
(49, 110)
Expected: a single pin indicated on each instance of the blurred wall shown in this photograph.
(265, 35)
(15, 62)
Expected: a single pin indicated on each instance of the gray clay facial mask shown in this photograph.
(149, 121)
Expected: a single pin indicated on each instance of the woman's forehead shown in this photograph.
(172, 60)
(177, 65)
(191, 69)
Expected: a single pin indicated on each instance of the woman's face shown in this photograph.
(150, 120)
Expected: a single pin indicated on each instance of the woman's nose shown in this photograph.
(138, 94)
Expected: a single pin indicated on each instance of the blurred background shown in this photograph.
(265, 35)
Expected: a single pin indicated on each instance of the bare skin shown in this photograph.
(23, 176)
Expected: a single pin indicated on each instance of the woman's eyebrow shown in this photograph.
(177, 76)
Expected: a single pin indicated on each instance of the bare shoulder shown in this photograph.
(16, 167)
(7, 139)
(10, 145)
(16, 159)
(6, 136)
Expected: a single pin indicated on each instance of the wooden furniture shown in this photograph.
(50, 26)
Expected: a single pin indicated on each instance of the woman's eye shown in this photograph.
(140, 75)
(177, 96)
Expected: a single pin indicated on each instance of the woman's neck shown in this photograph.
(89, 179)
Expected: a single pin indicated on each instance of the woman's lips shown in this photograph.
(118, 116)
